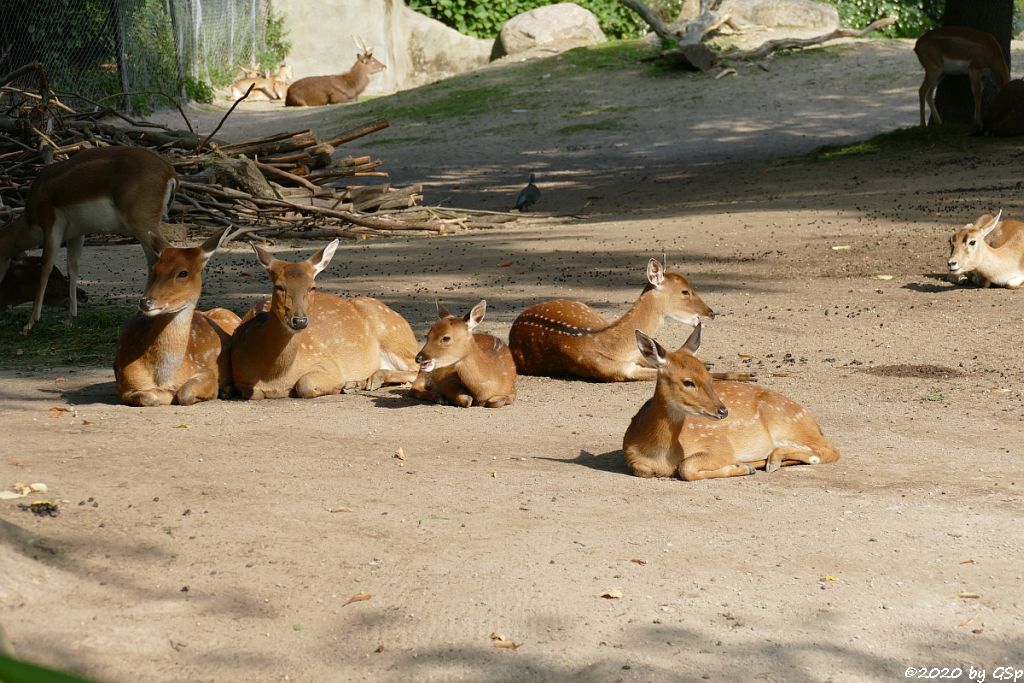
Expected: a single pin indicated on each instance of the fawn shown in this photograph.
(168, 352)
(306, 344)
(999, 262)
(462, 367)
(697, 428)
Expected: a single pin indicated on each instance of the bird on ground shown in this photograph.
(528, 196)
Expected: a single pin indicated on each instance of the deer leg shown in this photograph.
(791, 454)
(147, 398)
(202, 387)
(50, 248)
(498, 402)
(711, 465)
(976, 90)
(249, 392)
(75, 247)
(927, 92)
(382, 377)
(315, 383)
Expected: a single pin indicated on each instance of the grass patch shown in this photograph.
(947, 138)
(620, 54)
(396, 141)
(443, 101)
(90, 342)
(603, 124)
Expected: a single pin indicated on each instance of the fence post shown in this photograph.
(122, 67)
(179, 48)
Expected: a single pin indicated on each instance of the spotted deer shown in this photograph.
(303, 343)
(463, 367)
(120, 190)
(168, 352)
(958, 50)
(315, 91)
(998, 262)
(564, 338)
(696, 428)
(273, 87)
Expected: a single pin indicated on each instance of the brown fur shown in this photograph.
(22, 279)
(989, 251)
(316, 91)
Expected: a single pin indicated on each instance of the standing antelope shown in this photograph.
(121, 190)
(273, 86)
(169, 352)
(568, 338)
(315, 91)
(306, 344)
(958, 50)
(999, 262)
(696, 428)
(463, 367)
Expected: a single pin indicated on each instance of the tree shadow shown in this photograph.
(612, 461)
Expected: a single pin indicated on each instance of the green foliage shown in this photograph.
(197, 90)
(16, 671)
(91, 341)
(913, 17)
(275, 41)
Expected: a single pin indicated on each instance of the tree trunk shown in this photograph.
(953, 98)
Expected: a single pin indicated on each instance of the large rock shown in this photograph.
(433, 51)
(805, 15)
(555, 28)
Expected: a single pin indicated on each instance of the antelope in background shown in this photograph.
(696, 428)
(315, 91)
(999, 262)
(273, 86)
(120, 190)
(22, 278)
(303, 343)
(561, 337)
(169, 352)
(462, 367)
(958, 50)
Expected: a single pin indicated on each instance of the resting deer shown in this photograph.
(169, 352)
(315, 91)
(121, 190)
(958, 50)
(22, 278)
(462, 367)
(696, 428)
(567, 338)
(306, 344)
(274, 86)
(999, 262)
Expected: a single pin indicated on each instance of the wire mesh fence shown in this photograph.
(100, 49)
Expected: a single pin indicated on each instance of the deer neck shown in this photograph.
(357, 78)
(646, 314)
(166, 338)
(661, 424)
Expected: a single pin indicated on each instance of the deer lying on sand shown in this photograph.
(120, 190)
(998, 262)
(958, 50)
(696, 428)
(462, 367)
(567, 338)
(305, 344)
(22, 278)
(169, 352)
(274, 86)
(315, 91)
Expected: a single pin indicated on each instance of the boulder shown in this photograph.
(805, 15)
(433, 51)
(555, 28)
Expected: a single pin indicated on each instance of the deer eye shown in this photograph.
(313, 288)
(183, 273)
(973, 242)
(446, 339)
(278, 288)
(688, 383)
(686, 292)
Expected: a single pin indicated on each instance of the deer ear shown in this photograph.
(264, 256)
(989, 227)
(322, 258)
(651, 350)
(655, 272)
(157, 241)
(213, 243)
(475, 316)
(692, 342)
(442, 312)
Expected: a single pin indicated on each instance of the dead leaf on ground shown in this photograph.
(966, 561)
(999, 390)
(612, 594)
(780, 373)
(967, 595)
(841, 247)
(340, 508)
(501, 641)
(637, 560)
(743, 355)
(882, 277)
(58, 411)
(828, 577)
(505, 264)
(379, 648)
(10, 495)
(400, 454)
(183, 425)
(358, 597)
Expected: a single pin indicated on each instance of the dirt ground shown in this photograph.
(224, 541)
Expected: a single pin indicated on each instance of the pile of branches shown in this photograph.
(289, 184)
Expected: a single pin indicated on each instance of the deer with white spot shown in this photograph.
(169, 352)
(119, 190)
(564, 338)
(697, 428)
(958, 50)
(273, 87)
(999, 261)
(305, 344)
(463, 367)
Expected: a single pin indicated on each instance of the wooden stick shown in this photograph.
(281, 173)
(224, 118)
(348, 136)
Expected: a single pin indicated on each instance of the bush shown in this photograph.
(913, 17)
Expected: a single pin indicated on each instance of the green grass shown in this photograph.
(603, 124)
(907, 140)
(90, 342)
(444, 101)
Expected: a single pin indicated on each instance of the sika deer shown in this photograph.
(274, 87)
(462, 367)
(121, 190)
(169, 352)
(315, 91)
(306, 344)
(568, 338)
(22, 278)
(695, 428)
(999, 262)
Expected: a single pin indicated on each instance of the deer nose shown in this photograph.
(146, 304)
(723, 412)
(711, 314)
(300, 322)
(951, 263)
(420, 358)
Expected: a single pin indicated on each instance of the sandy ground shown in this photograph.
(200, 543)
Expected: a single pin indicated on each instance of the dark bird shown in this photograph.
(528, 196)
